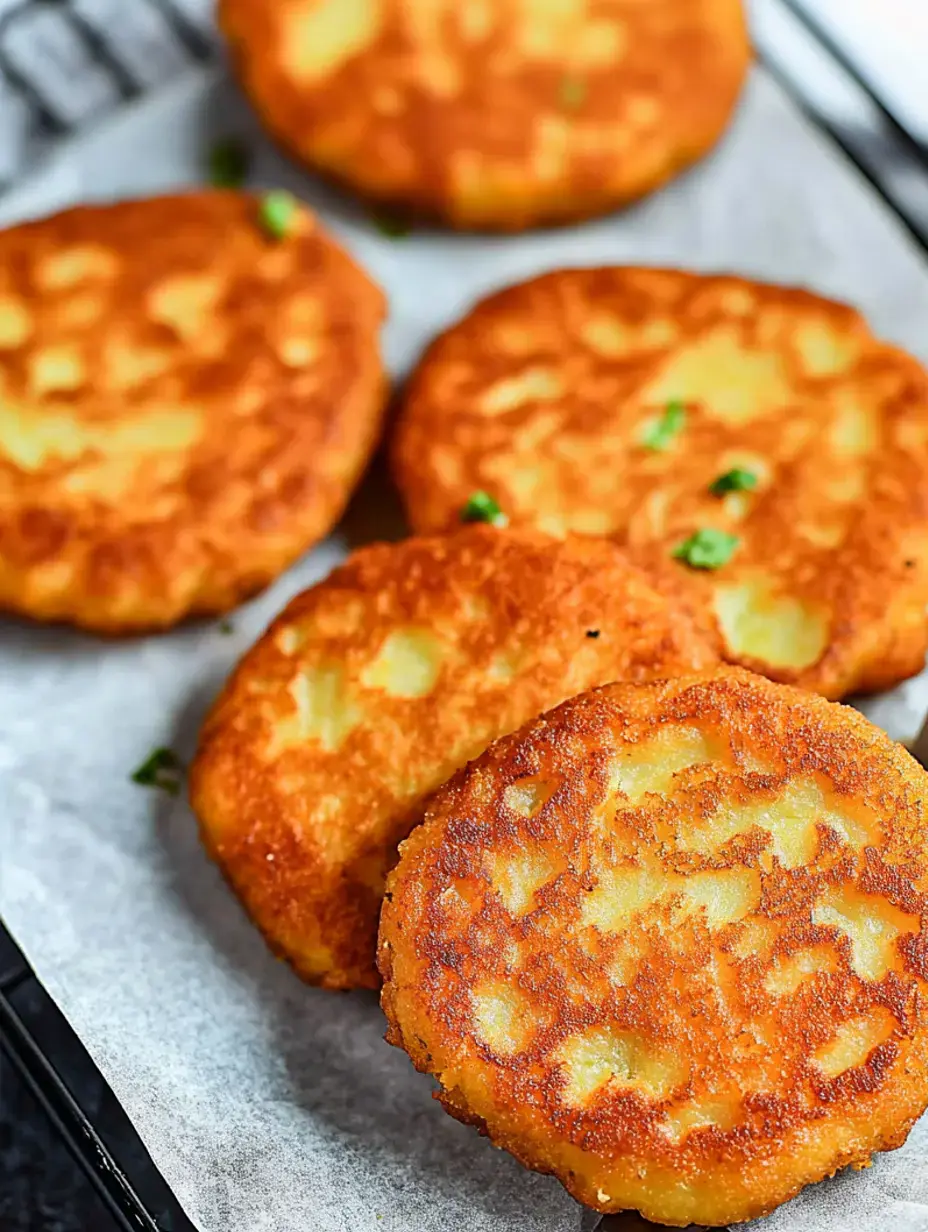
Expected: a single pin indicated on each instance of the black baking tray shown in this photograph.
(54, 1066)
(34, 1035)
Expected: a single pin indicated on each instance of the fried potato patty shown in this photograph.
(185, 404)
(374, 686)
(654, 406)
(493, 113)
(670, 943)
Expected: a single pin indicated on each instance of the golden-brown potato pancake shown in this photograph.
(374, 686)
(670, 943)
(610, 401)
(493, 113)
(185, 404)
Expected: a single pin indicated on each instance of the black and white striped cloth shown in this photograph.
(64, 63)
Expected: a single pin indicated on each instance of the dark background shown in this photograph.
(41, 1187)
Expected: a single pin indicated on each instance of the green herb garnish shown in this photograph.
(481, 507)
(707, 548)
(573, 92)
(229, 161)
(393, 226)
(735, 480)
(660, 432)
(226, 627)
(278, 211)
(161, 769)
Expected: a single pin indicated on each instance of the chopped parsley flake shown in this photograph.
(573, 92)
(226, 627)
(390, 225)
(592, 633)
(229, 160)
(481, 507)
(161, 769)
(707, 548)
(278, 210)
(660, 432)
(735, 480)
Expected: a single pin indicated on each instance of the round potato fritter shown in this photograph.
(185, 405)
(653, 406)
(495, 114)
(378, 683)
(670, 943)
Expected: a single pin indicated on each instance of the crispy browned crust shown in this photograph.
(541, 396)
(187, 405)
(716, 1015)
(305, 831)
(493, 115)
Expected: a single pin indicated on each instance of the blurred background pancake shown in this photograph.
(498, 114)
(189, 389)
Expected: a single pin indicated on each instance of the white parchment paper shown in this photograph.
(266, 1104)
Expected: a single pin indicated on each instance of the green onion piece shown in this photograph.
(573, 92)
(481, 507)
(229, 160)
(278, 210)
(736, 480)
(707, 548)
(390, 225)
(163, 769)
(660, 432)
